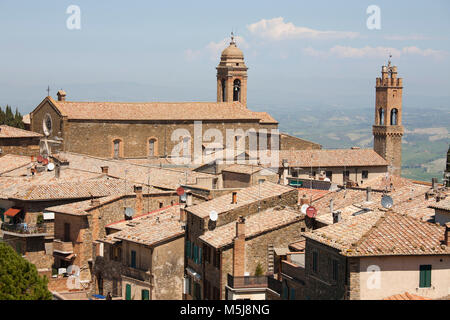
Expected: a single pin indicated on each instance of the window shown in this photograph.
(128, 292)
(133, 259)
(207, 252)
(145, 294)
(425, 276)
(335, 270)
(292, 294)
(394, 117)
(315, 261)
(197, 292)
(216, 259)
(237, 90)
(224, 94)
(329, 175)
(66, 232)
(285, 293)
(365, 174)
(116, 144)
(152, 147)
(188, 249)
(189, 285)
(100, 284)
(381, 116)
(115, 287)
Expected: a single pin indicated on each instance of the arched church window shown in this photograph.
(394, 117)
(381, 116)
(224, 94)
(237, 90)
(152, 147)
(116, 143)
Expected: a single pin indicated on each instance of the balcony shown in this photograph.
(137, 274)
(247, 282)
(24, 230)
(62, 247)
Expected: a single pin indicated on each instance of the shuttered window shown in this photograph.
(145, 295)
(128, 292)
(188, 248)
(315, 258)
(425, 276)
(133, 259)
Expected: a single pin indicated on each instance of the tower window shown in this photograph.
(381, 114)
(223, 91)
(394, 117)
(237, 90)
(116, 148)
(152, 147)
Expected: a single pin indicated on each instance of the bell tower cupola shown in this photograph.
(232, 75)
(388, 128)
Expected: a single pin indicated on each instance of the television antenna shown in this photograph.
(213, 215)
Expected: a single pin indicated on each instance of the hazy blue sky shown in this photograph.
(298, 52)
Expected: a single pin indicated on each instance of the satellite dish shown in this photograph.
(183, 197)
(311, 212)
(129, 212)
(180, 191)
(387, 202)
(213, 215)
(303, 208)
(327, 179)
(50, 166)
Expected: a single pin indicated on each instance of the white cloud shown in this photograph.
(277, 29)
(373, 52)
(192, 55)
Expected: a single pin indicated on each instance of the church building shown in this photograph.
(139, 130)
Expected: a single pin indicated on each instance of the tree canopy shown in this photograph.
(11, 119)
(19, 279)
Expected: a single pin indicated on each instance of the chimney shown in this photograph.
(139, 205)
(61, 95)
(189, 199)
(182, 214)
(336, 217)
(285, 165)
(368, 194)
(234, 197)
(105, 169)
(239, 248)
(57, 171)
(447, 234)
(434, 184)
(331, 206)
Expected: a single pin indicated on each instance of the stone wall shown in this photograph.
(20, 146)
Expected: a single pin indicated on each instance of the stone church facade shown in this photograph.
(137, 130)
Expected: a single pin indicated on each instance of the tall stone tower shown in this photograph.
(232, 75)
(388, 129)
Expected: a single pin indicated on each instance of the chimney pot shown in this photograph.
(189, 199)
(368, 194)
(447, 234)
(61, 95)
(234, 197)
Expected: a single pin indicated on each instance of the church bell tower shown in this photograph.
(388, 129)
(232, 75)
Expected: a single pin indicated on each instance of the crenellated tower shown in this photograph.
(388, 128)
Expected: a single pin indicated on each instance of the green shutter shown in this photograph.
(199, 255)
(285, 292)
(425, 276)
(195, 254)
(188, 248)
(145, 294)
(292, 294)
(128, 292)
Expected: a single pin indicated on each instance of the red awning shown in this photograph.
(12, 212)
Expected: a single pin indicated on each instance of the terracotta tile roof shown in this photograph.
(243, 168)
(11, 132)
(244, 197)
(442, 205)
(406, 296)
(159, 111)
(332, 158)
(254, 225)
(408, 198)
(381, 233)
(10, 162)
(167, 178)
(151, 228)
(73, 190)
(299, 245)
(315, 193)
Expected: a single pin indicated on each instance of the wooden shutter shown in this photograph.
(145, 294)
(128, 292)
(425, 276)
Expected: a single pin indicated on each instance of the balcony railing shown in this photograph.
(274, 284)
(23, 228)
(63, 247)
(247, 282)
(137, 274)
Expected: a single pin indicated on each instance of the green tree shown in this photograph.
(19, 279)
(2, 116)
(9, 116)
(18, 123)
(259, 270)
